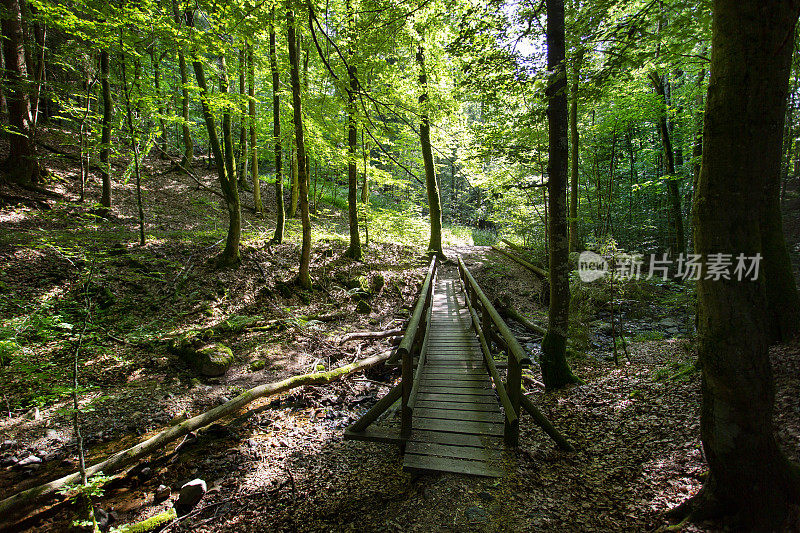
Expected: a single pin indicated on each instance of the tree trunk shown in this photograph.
(431, 180)
(677, 241)
(243, 137)
(276, 132)
(304, 277)
(188, 146)
(574, 152)
(251, 107)
(105, 136)
(224, 164)
(354, 250)
(555, 370)
(749, 476)
(294, 193)
(22, 165)
(162, 127)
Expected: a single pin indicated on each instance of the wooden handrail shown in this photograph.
(511, 342)
(408, 347)
(511, 416)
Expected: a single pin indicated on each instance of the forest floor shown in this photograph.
(282, 464)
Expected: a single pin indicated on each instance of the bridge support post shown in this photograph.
(514, 389)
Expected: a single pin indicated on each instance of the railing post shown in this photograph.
(513, 388)
(408, 384)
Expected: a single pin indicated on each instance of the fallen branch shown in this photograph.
(361, 335)
(533, 268)
(532, 380)
(16, 503)
(509, 312)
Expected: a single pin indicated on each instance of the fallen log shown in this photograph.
(542, 273)
(16, 503)
(509, 312)
(362, 335)
(532, 380)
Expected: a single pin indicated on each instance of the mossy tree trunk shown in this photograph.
(304, 276)
(555, 370)
(431, 180)
(276, 132)
(749, 475)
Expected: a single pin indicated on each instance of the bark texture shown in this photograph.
(304, 276)
(431, 180)
(555, 370)
(749, 476)
(22, 165)
(280, 213)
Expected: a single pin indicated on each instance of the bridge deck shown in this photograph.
(457, 424)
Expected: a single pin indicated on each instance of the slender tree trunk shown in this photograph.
(365, 188)
(574, 153)
(294, 193)
(749, 475)
(304, 277)
(22, 165)
(188, 146)
(354, 250)
(224, 163)
(243, 138)
(555, 370)
(431, 180)
(156, 59)
(677, 241)
(105, 136)
(251, 105)
(276, 132)
(135, 141)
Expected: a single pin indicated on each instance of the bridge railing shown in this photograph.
(411, 346)
(490, 327)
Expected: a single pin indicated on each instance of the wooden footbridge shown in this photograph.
(456, 412)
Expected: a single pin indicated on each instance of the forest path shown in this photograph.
(457, 424)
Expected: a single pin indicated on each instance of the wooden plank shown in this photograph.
(464, 406)
(375, 434)
(461, 374)
(473, 453)
(455, 439)
(443, 397)
(447, 464)
(458, 426)
(437, 370)
(453, 414)
(457, 391)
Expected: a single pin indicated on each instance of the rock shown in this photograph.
(363, 307)
(283, 289)
(104, 519)
(190, 495)
(377, 282)
(146, 473)
(52, 434)
(7, 460)
(257, 365)
(476, 514)
(6, 444)
(162, 493)
(668, 323)
(30, 460)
